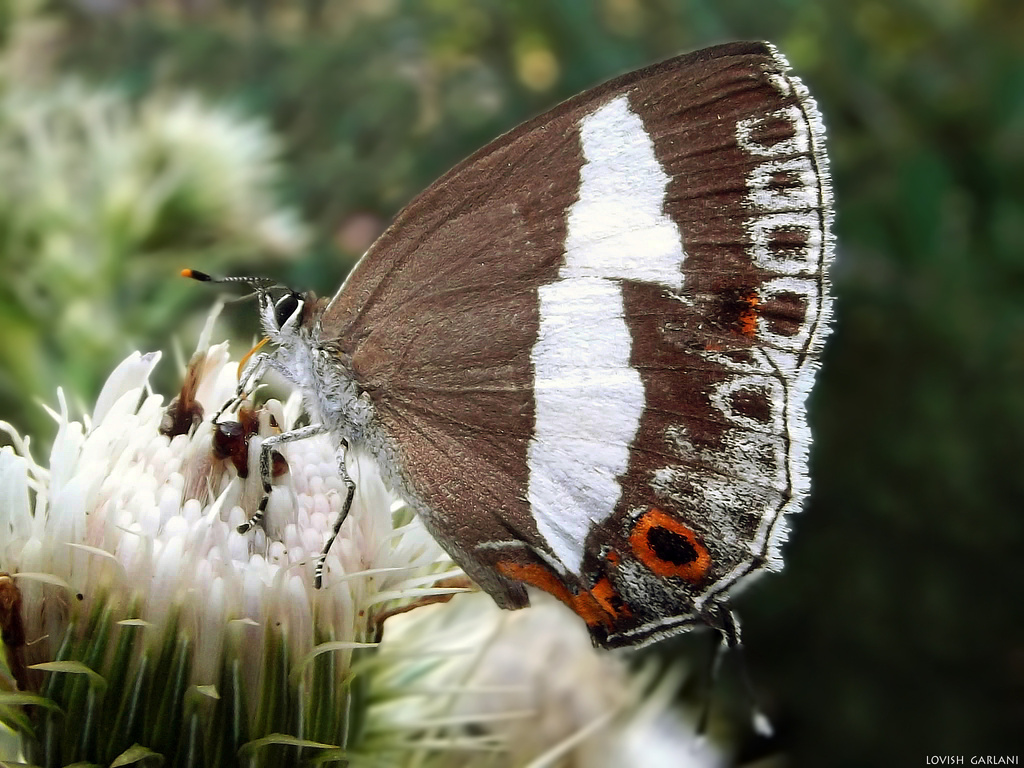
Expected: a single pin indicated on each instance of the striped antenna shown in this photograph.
(259, 283)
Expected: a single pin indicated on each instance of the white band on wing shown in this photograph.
(588, 398)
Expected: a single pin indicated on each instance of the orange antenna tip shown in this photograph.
(195, 274)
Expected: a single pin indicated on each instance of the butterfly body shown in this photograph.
(583, 355)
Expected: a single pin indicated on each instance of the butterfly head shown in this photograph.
(282, 316)
(285, 315)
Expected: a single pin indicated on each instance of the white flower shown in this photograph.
(139, 525)
(524, 688)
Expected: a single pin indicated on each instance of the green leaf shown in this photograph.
(16, 720)
(72, 668)
(282, 739)
(328, 647)
(28, 699)
(45, 578)
(137, 754)
(209, 691)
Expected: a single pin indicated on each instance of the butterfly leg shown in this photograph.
(724, 621)
(253, 372)
(266, 467)
(714, 665)
(318, 573)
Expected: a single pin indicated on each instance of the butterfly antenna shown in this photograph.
(258, 283)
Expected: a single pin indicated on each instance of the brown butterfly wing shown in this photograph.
(441, 317)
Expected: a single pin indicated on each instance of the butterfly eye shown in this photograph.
(285, 308)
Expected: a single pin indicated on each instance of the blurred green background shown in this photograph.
(279, 138)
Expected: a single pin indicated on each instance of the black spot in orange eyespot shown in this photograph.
(668, 547)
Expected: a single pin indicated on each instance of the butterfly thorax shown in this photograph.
(333, 392)
(322, 374)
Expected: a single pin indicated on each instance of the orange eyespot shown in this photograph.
(668, 547)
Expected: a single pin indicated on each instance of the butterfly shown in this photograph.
(583, 355)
